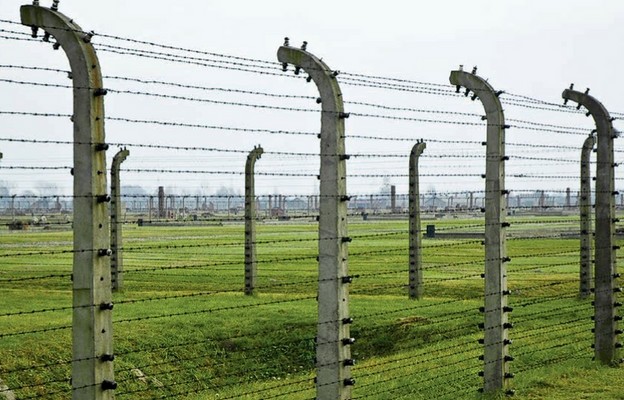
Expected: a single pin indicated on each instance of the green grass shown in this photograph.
(183, 321)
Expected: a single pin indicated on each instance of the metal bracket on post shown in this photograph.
(416, 288)
(605, 301)
(333, 354)
(585, 208)
(116, 223)
(92, 374)
(496, 341)
(251, 265)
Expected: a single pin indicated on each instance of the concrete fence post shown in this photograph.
(161, 202)
(333, 353)
(92, 367)
(605, 301)
(251, 264)
(116, 221)
(586, 219)
(416, 287)
(496, 366)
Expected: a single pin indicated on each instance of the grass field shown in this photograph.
(183, 328)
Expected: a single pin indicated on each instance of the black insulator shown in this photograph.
(347, 279)
(109, 385)
(106, 306)
(347, 321)
(481, 373)
(508, 358)
(505, 224)
(510, 392)
(481, 309)
(107, 357)
(507, 309)
(349, 382)
(101, 147)
(346, 239)
(104, 252)
(349, 362)
(507, 325)
(103, 198)
(348, 341)
(507, 341)
(481, 325)
(481, 341)
(343, 115)
(100, 92)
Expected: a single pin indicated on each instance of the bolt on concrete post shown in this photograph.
(333, 354)
(605, 301)
(586, 219)
(416, 287)
(92, 368)
(116, 223)
(496, 368)
(251, 264)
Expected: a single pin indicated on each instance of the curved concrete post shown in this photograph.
(251, 264)
(416, 288)
(92, 368)
(116, 221)
(333, 355)
(496, 369)
(586, 219)
(605, 318)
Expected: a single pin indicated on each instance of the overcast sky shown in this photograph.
(524, 47)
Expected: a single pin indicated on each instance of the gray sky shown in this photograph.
(524, 47)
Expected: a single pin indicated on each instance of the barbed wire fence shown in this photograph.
(182, 325)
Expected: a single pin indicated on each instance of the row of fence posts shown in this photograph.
(92, 366)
